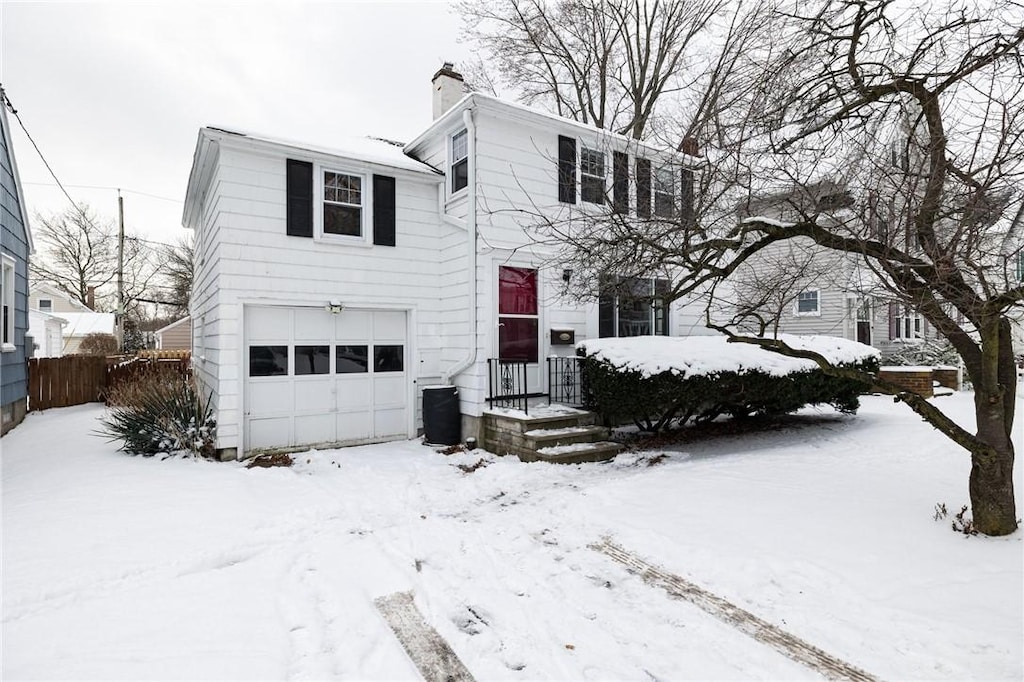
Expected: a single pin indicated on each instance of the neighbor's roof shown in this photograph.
(174, 324)
(369, 149)
(80, 324)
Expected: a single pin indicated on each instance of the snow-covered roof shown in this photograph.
(80, 324)
(172, 325)
(506, 107)
(704, 355)
(366, 148)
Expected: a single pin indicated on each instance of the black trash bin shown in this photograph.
(442, 423)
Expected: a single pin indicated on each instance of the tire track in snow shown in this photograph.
(789, 645)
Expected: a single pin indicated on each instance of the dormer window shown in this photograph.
(343, 204)
(592, 185)
(460, 160)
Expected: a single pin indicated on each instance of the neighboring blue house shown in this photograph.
(15, 247)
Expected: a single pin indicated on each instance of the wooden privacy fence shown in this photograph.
(77, 379)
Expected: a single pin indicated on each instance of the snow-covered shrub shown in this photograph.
(927, 352)
(655, 381)
(160, 411)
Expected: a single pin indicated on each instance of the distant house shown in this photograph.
(81, 325)
(175, 336)
(49, 299)
(15, 249)
(47, 332)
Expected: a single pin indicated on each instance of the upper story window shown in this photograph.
(808, 303)
(343, 204)
(664, 192)
(592, 175)
(7, 294)
(460, 160)
(45, 305)
(1020, 266)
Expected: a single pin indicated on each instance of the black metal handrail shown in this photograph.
(565, 381)
(508, 383)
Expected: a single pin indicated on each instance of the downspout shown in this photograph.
(466, 362)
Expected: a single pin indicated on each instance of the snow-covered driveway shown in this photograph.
(119, 567)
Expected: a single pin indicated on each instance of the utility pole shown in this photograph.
(120, 271)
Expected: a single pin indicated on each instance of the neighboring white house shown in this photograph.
(80, 325)
(49, 299)
(334, 281)
(175, 336)
(47, 332)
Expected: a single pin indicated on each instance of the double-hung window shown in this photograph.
(7, 294)
(343, 204)
(460, 160)
(633, 306)
(592, 178)
(665, 192)
(808, 303)
(907, 325)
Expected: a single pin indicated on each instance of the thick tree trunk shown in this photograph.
(991, 481)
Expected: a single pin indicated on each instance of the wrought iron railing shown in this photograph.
(565, 381)
(508, 383)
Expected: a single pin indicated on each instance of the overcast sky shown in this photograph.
(114, 94)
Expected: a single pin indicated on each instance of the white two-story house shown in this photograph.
(335, 280)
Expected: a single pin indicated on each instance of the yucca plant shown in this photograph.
(160, 412)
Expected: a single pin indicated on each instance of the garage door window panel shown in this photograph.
(388, 358)
(312, 360)
(351, 359)
(268, 361)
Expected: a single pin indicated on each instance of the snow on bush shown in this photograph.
(690, 356)
(655, 381)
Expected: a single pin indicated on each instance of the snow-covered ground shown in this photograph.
(118, 567)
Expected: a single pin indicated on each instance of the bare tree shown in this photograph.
(177, 271)
(917, 112)
(609, 64)
(79, 252)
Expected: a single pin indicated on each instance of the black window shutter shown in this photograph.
(299, 211)
(383, 210)
(620, 182)
(606, 315)
(686, 191)
(566, 169)
(643, 188)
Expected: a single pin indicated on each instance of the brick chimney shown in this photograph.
(90, 298)
(689, 146)
(449, 87)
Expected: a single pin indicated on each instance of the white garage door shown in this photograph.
(313, 377)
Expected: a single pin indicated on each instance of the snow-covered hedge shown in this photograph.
(653, 380)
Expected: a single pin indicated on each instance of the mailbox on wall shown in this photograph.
(563, 337)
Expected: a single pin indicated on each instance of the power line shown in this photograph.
(130, 191)
(10, 107)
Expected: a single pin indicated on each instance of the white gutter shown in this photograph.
(463, 364)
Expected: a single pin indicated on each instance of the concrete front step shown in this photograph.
(546, 438)
(577, 453)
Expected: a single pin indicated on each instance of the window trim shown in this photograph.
(452, 162)
(808, 313)
(8, 285)
(365, 237)
(908, 325)
(584, 149)
(668, 171)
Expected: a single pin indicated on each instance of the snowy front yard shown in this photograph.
(118, 567)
